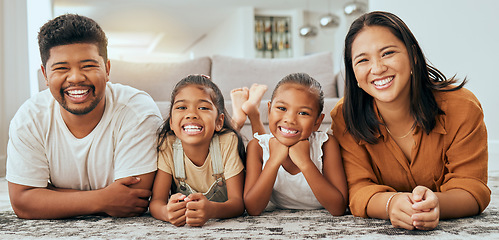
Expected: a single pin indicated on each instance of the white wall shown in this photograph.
(14, 79)
(229, 37)
(329, 39)
(39, 12)
(459, 37)
(325, 39)
(3, 122)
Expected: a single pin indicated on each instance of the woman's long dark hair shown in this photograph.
(358, 110)
(218, 100)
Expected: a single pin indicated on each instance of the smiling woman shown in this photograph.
(413, 144)
(379, 56)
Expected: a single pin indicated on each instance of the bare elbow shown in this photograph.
(339, 210)
(251, 209)
(253, 212)
(21, 202)
(339, 213)
(23, 214)
(23, 210)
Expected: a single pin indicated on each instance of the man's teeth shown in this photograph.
(77, 92)
(192, 128)
(383, 82)
(289, 131)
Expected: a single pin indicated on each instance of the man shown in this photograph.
(83, 146)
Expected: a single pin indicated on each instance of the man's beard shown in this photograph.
(78, 111)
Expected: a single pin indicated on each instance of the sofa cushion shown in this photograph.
(229, 72)
(157, 79)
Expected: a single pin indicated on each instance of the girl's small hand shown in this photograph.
(198, 210)
(426, 207)
(400, 211)
(300, 153)
(175, 210)
(278, 151)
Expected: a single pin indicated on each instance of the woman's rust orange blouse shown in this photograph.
(454, 155)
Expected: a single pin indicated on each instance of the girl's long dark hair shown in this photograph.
(218, 100)
(358, 110)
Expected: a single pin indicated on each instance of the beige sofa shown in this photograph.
(158, 79)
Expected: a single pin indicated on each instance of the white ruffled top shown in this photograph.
(293, 191)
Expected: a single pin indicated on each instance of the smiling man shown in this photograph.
(85, 145)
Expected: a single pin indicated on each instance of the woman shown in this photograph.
(414, 146)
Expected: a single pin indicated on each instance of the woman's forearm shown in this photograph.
(457, 203)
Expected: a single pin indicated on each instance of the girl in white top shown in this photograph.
(295, 167)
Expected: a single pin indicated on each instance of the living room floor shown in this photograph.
(4, 196)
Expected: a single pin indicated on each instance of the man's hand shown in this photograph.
(119, 200)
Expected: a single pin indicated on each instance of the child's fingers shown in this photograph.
(194, 197)
(176, 213)
(195, 213)
(197, 204)
(179, 221)
(196, 218)
(195, 222)
(176, 207)
(176, 198)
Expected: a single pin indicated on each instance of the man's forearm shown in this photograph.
(123, 198)
(146, 181)
(44, 203)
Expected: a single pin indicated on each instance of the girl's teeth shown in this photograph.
(191, 128)
(285, 130)
(383, 82)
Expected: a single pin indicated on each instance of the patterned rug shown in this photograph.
(272, 224)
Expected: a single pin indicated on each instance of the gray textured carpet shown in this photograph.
(273, 224)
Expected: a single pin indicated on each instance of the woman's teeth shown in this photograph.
(383, 81)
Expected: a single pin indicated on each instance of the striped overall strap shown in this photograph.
(216, 158)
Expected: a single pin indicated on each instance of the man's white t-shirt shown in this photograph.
(41, 148)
